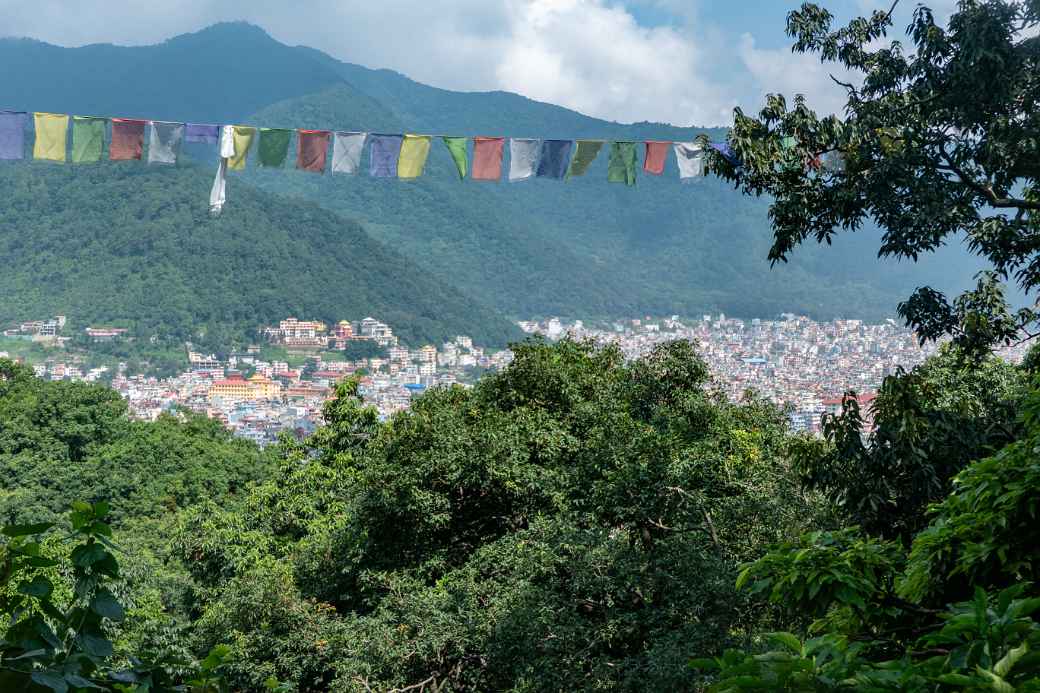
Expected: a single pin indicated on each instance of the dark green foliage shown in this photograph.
(137, 247)
(571, 522)
(929, 423)
(70, 440)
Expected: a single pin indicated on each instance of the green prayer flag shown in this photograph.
(622, 165)
(88, 139)
(457, 147)
(274, 147)
(585, 154)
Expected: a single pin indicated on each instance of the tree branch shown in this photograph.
(987, 191)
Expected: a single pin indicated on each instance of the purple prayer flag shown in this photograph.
(206, 134)
(12, 135)
(382, 156)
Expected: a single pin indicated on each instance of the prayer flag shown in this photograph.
(201, 133)
(523, 158)
(218, 193)
(487, 158)
(51, 131)
(312, 149)
(655, 155)
(727, 153)
(127, 140)
(12, 135)
(346, 151)
(586, 153)
(457, 148)
(88, 139)
(621, 167)
(690, 157)
(164, 142)
(412, 160)
(273, 148)
(556, 156)
(243, 138)
(383, 154)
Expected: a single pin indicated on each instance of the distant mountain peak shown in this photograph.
(235, 30)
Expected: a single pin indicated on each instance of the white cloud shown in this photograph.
(597, 59)
(781, 71)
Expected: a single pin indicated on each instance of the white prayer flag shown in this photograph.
(690, 157)
(164, 142)
(346, 151)
(523, 158)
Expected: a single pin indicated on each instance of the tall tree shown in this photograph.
(938, 139)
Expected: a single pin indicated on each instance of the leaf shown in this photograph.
(26, 530)
(788, 640)
(40, 587)
(998, 684)
(88, 554)
(100, 509)
(80, 682)
(105, 604)
(95, 645)
(1006, 662)
(50, 680)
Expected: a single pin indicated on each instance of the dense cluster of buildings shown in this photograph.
(795, 361)
(257, 398)
(800, 363)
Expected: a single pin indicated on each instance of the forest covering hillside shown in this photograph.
(137, 247)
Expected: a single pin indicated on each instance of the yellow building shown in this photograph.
(237, 388)
(265, 388)
(234, 388)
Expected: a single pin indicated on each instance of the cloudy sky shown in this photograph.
(687, 62)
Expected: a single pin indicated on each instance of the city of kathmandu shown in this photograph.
(520, 345)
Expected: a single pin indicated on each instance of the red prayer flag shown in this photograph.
(127, 139)
(487, 158)
(312, 148)
(656, 153)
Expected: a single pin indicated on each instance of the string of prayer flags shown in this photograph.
(164, 142)
(584, 155)
(690, 157)
(554, 159)
(218, 193)
(487, 158)
(312, 150)
(621, 167)
(201, 133)
(242, 137)
(523, 158)
(127, 140)
(12, 135)
(273, 148)
(346, 151)
(88, 139)
(412, 159)
(654, 157)
(383, 155)
(457, 148)
(51, 133)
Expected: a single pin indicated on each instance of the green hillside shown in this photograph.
(136, 246)
(580, 248)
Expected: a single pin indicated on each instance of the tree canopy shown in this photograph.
(939, 141)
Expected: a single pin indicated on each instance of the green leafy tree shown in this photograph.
(938, 140)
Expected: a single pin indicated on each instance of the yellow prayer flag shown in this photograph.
(412, 160)
(243, 137)
(51, 129)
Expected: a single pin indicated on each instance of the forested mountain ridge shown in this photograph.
(580, 248)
